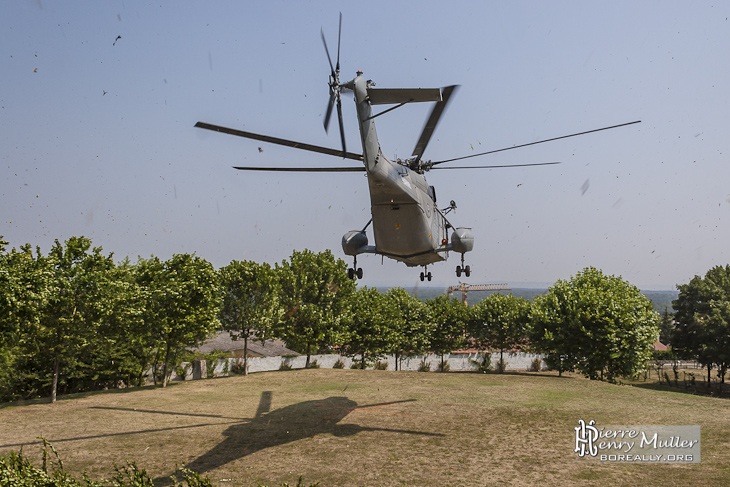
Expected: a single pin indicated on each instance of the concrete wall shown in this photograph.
(457, 362)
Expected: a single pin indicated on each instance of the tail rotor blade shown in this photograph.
(342, 125)
(339, 36)
(330, 105)
(328, 52)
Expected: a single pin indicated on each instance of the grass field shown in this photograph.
(370, 428)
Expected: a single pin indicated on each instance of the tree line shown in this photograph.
(74, 320)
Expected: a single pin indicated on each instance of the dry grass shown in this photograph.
(372, 428)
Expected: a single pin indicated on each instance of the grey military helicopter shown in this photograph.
(407, 224)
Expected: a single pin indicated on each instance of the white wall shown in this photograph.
(457, 362)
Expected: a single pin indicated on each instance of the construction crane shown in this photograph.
(465, 288)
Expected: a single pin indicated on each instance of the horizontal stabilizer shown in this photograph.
(392, 96)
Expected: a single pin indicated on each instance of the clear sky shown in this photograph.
(98, 102)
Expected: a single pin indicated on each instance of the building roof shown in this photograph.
(223, 342)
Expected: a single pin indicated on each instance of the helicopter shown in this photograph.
(407, 224)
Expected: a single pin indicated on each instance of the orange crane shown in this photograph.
(465, 288)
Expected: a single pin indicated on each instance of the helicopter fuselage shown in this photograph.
(407, 225)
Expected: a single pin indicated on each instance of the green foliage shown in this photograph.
(444, 366)
(536, 365)
(181, 302)
(313, 365)
(499, 322)
(371, 327)
(485, 365)
(315, 298)
(237, 368)
(16, 470)
(132, 476)
(666, 327)
(601, 325)
(501, 366)
(250, 304)
(424, 366)
(381, 365)
(340, 364)
(411, 328)
(703, 320)
(285, 366)
(191, 479)
(450, 318)
(663, 355)
(66, 321)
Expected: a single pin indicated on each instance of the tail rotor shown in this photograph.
(335, 87)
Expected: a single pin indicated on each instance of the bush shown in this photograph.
(536, 365)
(340, 364)
(444, 366)
(237, 368)
(183, 370)
(424, 366)
(381, 365)
(284, 366)
(501, 366)
(313, 364)
(485, 366)
(18, 471)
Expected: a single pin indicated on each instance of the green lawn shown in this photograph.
(372, 428)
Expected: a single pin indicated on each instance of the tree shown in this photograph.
(412, 327)
(57, 303)
(499, 322)
(23, 295)
(371, 327)
(315, 298)
(702, 320)
(181, 303)
(596, 323)
(666, 327)
(250, 307)
(450, 318)
(77, 304)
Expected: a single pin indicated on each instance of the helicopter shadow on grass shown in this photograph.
(285, 425)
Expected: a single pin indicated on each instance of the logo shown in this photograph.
(638, 444)
(585, 438)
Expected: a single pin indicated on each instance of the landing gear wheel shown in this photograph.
(358, 273)
(423, 276)
(351, 273)
(462, 268)
(428, 276)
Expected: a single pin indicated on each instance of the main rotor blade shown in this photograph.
(274, 140)
(534, 143)
(303, 169)
(342, 125)
(432, 121)
(498, 166)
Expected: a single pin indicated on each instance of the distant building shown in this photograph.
(659, 346)
(223, 342)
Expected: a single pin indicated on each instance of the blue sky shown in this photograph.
(98, 137)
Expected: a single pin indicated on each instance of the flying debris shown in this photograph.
(406, 222)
